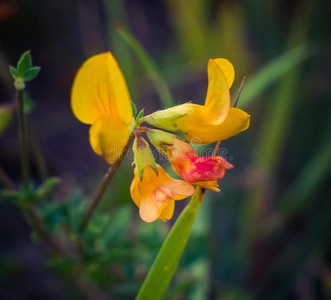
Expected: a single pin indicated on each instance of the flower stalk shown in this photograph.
(103, 185)
(23, 139)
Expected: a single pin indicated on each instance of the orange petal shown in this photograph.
(148, 211)
(167, 211)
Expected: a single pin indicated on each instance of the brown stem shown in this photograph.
(6, 180)
(239, 92)
(104, 184)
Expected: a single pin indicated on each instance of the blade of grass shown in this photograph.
(167, 260)
(273, 71)
(151, 68)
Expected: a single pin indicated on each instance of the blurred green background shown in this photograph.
(266, 235)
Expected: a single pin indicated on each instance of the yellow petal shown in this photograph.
(108, 136)
(227, 68)
(218, 95)
(167, 211)
(99, 89)
(236, 121)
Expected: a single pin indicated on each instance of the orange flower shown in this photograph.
(202, 171)
(156, 194)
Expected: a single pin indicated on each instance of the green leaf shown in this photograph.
(272, 72)
(31, 73)
(134, 108)
(47, 187)
(13, 72)
(149, 65)
(167, 260)
(140, 115)
(24, 63)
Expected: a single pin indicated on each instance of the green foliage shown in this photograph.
(32, 195)
(24, 71)
(167, 260)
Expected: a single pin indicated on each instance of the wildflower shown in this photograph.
(215, 120)
(152, 189)
(100, 97)
(156, 194)
(201, 171)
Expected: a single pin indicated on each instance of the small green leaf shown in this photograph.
(13, 72)
(134, 108)
(140, 115)
(31, 73)
(24, 63)
(47, 187)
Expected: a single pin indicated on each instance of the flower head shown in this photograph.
(156, 194)
(202, 171)
(100, 97)
(215, 120)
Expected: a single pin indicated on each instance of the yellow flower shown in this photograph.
(155, 195)
(100, 97)
(215, 120)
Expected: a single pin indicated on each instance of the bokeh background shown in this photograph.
(266, 235)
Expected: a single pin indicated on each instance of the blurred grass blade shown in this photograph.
(151, 68)
(167, 260)
(275, 70)
(301, 192)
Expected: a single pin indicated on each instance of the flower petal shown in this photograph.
(167, 211)
(227, 68)
(218, 95)
(108, 136)
(236, 121)
(99, 89)
(148, 211)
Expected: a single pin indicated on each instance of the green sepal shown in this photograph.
(162, 140)
(31, 74)
(165, 119)
(143, 156)
(134, 108)
(24, 63)
(140, 115)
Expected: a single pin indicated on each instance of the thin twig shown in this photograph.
(23, 139)
(239, 92)
(6, 180)
(217, 147)
(103, 185)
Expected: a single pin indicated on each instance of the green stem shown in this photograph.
(23, 139)
(103, 185)
(167, 260)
